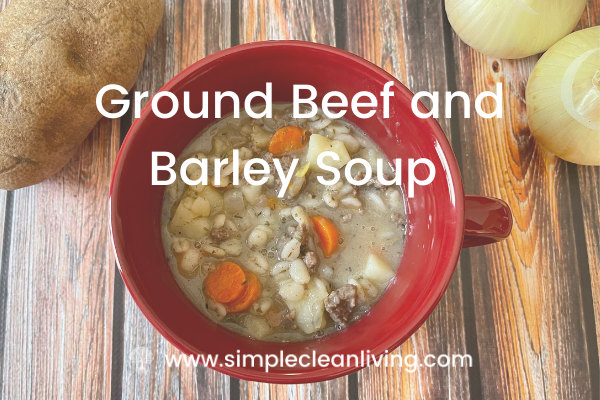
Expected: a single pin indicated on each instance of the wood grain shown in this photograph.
(310, 20)
(57, 276)
(530, 334)
(333, 389)
(56, 299)
(60, 272)
(406, 39)
(589, 182)
(190, 30)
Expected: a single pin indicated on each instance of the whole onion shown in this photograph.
(563, 98)
(513, 28)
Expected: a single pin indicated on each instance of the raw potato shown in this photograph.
(55, 56)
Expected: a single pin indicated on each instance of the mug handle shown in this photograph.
(487, 220)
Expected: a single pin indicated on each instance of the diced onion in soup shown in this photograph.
(233, 202)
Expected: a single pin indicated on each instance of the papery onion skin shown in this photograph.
(563, 98)
(513, 28)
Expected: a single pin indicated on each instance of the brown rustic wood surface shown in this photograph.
(404, 45)
(527, 310)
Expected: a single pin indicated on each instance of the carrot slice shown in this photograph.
(286, 139)
(226, 283)
(272, 202)
(252, 293)
(328, 234)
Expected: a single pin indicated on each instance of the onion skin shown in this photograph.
(563, 98)
(513, 28)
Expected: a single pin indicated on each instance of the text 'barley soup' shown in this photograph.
(291, 268)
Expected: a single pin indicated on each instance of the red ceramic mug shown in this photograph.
(441, 219)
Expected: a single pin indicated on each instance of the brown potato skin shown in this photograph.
(55, 55)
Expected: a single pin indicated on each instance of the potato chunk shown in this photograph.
(201, 207)
(214, 197)
(378, 270)
(55, 57)
(318, 144)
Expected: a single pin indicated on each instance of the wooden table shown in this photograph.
(527, 309)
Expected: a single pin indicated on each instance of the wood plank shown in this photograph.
(529, 313)
(589, 182)
(406, 39)
(190, 30)
(58, 326)
(57, 275)
(312, 20)
(333, 389)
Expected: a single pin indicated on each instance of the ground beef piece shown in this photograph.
(219, 234)
(268, 157)
(311, 260)
(340, 303)
(286, 162)
(373, 181)
(397, 218)
(360, 176)
(289, 320)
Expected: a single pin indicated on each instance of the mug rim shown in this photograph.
(325, 373)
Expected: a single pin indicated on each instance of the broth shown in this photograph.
(302, 280)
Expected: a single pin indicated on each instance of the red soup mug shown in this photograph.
(441, 219)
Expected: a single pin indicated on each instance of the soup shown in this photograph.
(291, 268)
